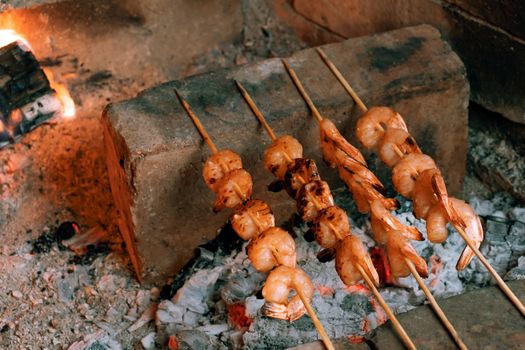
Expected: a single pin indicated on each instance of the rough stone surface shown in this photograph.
(155, 155)
(485, 319)
(339, 344)
(489, 36)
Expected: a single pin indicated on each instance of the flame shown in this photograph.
(63, 95)
(7, 36)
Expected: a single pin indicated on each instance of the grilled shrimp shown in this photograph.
(335, 147)
(272, 247)
(371, 126)
(252, 218)
(312, 198)
(394, 142)
(406, 172)
(350, 254)
(331, 219)
(217, 165)
(300, 172)
(441, 212)
(383, 221)
(364, 193)
(429, 191)
(276, 291)
(363, 174)
(233, 189)
(280, 154)
(424, 197)
(398, 248)
(437, 231)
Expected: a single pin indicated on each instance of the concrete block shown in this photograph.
(155, 155)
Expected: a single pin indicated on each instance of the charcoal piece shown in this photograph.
(66, 230)
(26, 97)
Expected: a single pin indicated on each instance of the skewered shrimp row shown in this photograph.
(284, 158)
(415, 176)
(271, 248)
(369, 195)
(315, 205)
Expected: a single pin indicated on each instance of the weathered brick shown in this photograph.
(155, 154)
(489, 36)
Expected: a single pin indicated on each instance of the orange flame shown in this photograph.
(63, 95)
(7, 36)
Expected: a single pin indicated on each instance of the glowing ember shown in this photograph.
(325, 290)
(8, 36)
(237, 317)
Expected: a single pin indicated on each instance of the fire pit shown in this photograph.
(109, 240)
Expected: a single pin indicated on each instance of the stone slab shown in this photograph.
(155, 155)
(489, 36)
(485, 319)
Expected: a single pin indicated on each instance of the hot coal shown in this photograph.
(227, 279)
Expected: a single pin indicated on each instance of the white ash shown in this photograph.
(100, 305)
(342, 311)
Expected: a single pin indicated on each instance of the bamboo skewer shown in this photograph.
(341, 79)
(255, 110)
(197, 123)
(400, 330)
(311, 312)
(204, 134)
(504, 287)
(435, 305)
(300, 87)
(406, 339)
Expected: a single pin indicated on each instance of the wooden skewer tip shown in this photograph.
(342, 80)
(302, 91)
(200, 128)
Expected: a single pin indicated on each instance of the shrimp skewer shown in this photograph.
(403, 250)
(276, 290)
(332, 229)
(458, 228)
(271, 245)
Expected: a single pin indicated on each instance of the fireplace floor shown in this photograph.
(58, 299)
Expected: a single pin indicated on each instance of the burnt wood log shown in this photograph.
(155, 155)
(26, 98)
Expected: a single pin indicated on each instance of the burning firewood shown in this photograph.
(28, 95)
